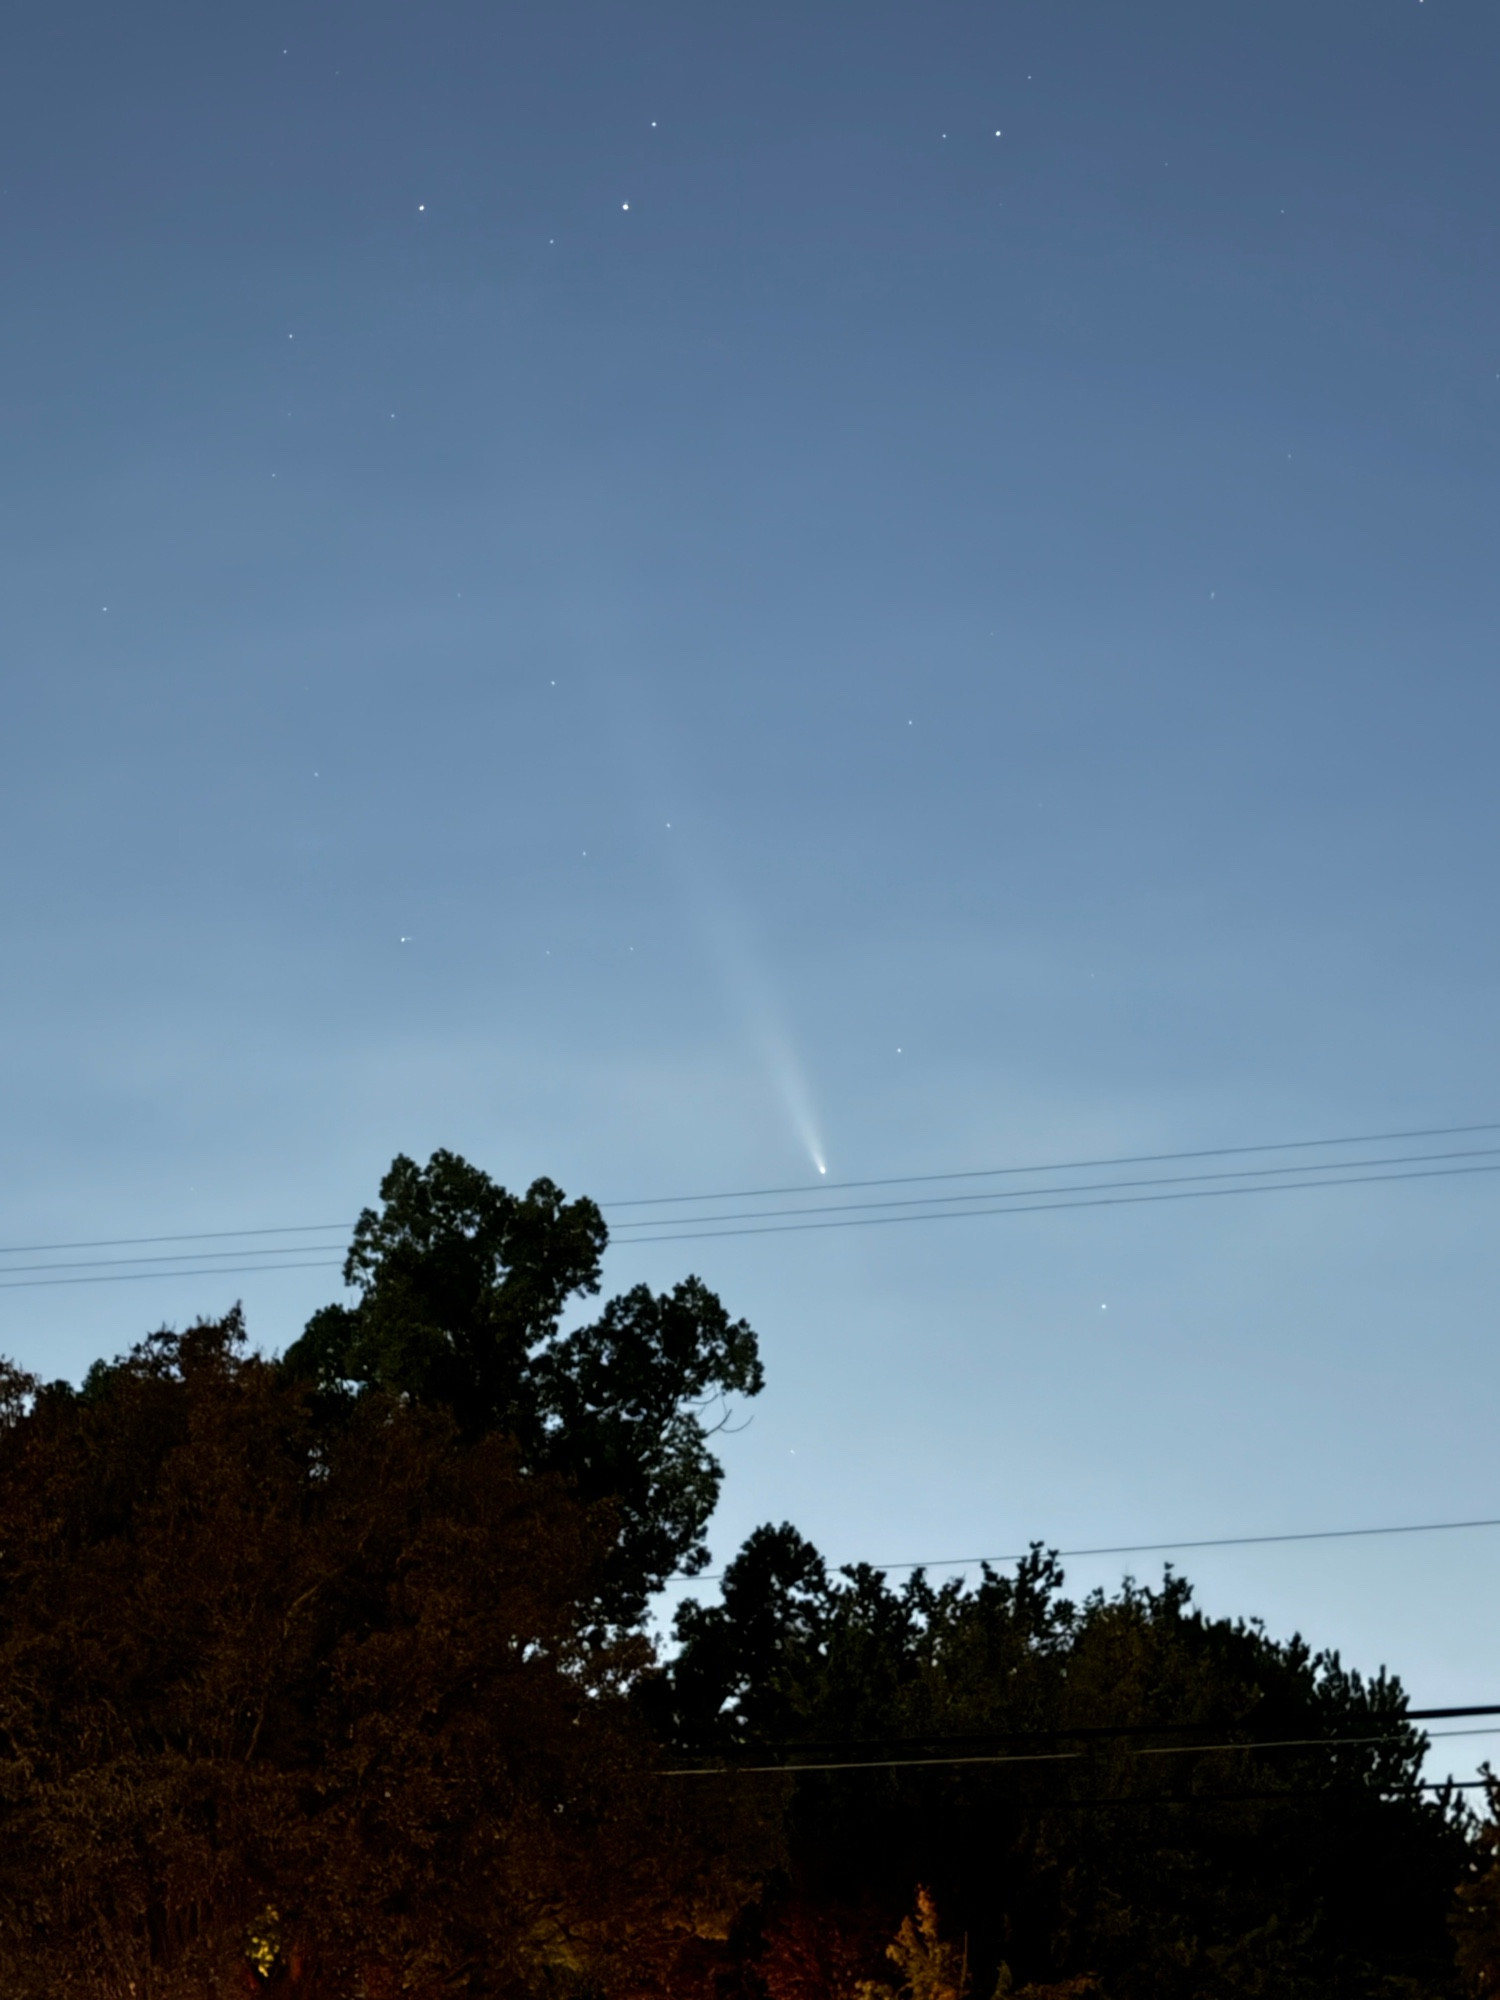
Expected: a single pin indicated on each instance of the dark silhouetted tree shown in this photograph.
(1092, 1856)
(463, 1287)
(1477, 1918)
(315, 1707)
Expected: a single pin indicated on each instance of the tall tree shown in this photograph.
(463, 1288)
(312, 1706)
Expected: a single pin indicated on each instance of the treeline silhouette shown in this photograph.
(327, 1675)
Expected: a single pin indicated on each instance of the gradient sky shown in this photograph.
(642, 590)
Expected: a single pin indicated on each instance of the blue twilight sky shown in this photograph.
(648, 591)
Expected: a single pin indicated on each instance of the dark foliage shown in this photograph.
(1477, 1918)
(464, 1286)
(327, 1676)
(1223, 1871)
(312, 1707)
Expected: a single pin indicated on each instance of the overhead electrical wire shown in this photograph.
(182, 1236)
(934, 1204)
(823, 1187)
(986, 1744)
(1048, 1207)
(822, 1215)
(1064, 1166)
(935, 1763)
(1020, 1757)
(129, 1277)
(791, 1763)
(1051, 1207)
(1008, 1206)
(1105, 1732)
(195, 1257)
(1155, 1548)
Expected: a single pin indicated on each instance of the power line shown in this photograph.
(1049, 1207)
(132, 1277)
(1062, 1166)
(182, 1236)
(816, 1187)
(1032, 1756)
(790, 1764)
(1011, 1206)
(1048, 1805)
(1343, 1173)
(197, 1258)
(934, 1203)
(1161, 1548)
(1106, 1732)
(1266, 1797)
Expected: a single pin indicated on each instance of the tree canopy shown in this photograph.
(329, 1675)
(1122, 1789)
(315, 1702)
(463, 1290)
